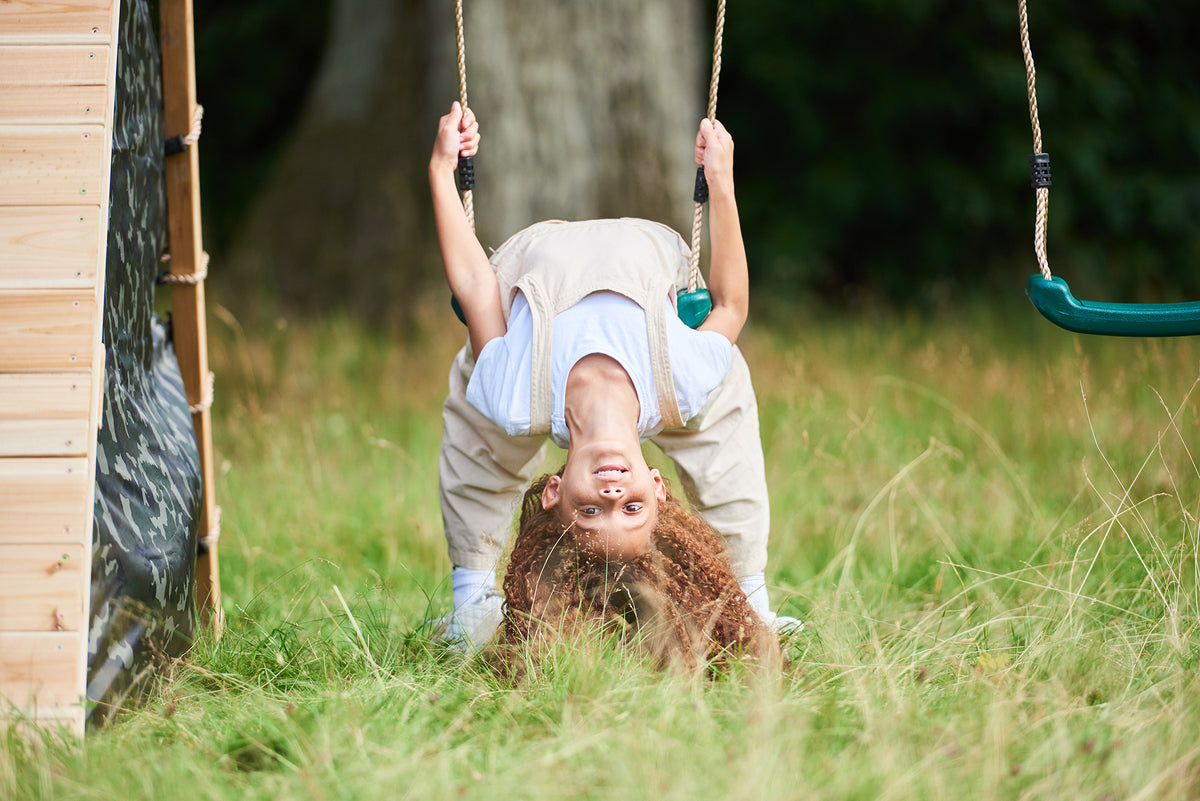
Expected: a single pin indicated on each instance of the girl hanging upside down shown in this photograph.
(573, 334)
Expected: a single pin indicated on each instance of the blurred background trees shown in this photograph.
(882, 144)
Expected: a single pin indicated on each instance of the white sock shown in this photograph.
(755, 587)
(470, 584)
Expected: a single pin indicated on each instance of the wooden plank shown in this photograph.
(50, 331)
(177, 35)
(45, 414)
(208, 569)
(183, 191)
(55, 20)
(53, 165)
(39, 672)
(46, 247)
(46, 500)
(41, 587)
(64, 105)
(53, 65)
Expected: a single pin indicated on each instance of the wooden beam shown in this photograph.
(47, 247)
(45, 500)
(47, 331)
(55, 20)
(34, 105)
(45, 414)
(41, 587)
(53, 165)
(177, 38)
(39, 672)
(53, 65)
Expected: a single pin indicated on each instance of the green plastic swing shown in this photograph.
(1051, 295)
(1054, 300)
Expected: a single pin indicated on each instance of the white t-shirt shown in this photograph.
(603, 322)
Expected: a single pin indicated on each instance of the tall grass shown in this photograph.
(989, 528)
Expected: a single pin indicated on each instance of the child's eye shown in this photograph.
(633, 508)
(589, 511)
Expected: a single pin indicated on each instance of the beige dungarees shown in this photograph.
(483, 472)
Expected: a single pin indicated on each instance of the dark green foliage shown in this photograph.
(255, 62)
(883, 146)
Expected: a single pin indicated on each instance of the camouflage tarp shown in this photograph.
(148, 485)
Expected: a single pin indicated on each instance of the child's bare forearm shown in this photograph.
(728, 278)
(462, 255)
(468, 272)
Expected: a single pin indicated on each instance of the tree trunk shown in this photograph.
(588, 109)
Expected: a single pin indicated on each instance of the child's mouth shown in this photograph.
(610, 472)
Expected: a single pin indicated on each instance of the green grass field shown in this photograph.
(989, 528)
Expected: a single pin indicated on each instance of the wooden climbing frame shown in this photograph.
(57, 95)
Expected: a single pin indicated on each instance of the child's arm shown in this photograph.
(728, 279)
(468, 272)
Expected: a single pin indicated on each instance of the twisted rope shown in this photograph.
(468, 196)
(698, 214)
(181, 143)
(185, 278)
(210, 539)
(1043, 192)
(206, 398)
(193, 135)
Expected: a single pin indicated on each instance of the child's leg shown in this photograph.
(720, 462)
(482, 474)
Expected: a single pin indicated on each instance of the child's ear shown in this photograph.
(550, 494)
(660, 486)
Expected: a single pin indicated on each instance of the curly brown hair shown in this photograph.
(680, 600)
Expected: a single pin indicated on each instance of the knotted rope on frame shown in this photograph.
(185, 278)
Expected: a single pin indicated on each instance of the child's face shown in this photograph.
(611, 496)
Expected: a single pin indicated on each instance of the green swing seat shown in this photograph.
(1050, 294)
(1054, 300)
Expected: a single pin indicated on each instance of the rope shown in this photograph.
(210, 539)
(180, 144)
(206, 399)
(468, 196)
(193, 135)
(698, 215)
(185, 278)
(1043, 192)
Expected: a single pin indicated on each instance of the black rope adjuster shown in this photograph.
(176, 144)
(1039, 164)
(700, 194)
(466, 173)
